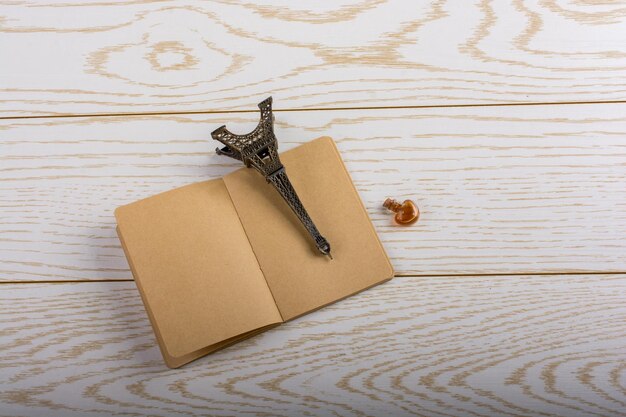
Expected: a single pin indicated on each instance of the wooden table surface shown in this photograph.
(504, 120)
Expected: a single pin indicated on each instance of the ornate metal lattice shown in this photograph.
(259, 149)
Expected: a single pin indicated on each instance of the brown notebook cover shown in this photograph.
(221, 260)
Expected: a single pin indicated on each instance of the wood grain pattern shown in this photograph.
(502, 190)
(512, 190)
(475, 346)
(160, 56)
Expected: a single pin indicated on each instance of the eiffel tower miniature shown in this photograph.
(259, 149)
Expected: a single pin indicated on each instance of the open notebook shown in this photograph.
(221, 260)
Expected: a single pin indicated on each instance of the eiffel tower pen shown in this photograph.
(259, 149)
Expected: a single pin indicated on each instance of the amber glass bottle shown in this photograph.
(406, 213)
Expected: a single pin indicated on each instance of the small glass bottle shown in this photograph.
(406, 213)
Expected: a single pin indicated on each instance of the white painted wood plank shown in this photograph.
(163, 56)
(479, 346)
(502, 190)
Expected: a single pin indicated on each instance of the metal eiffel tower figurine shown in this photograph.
(259, 149)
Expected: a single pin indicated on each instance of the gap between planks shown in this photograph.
(435, 106)
(495, 274)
